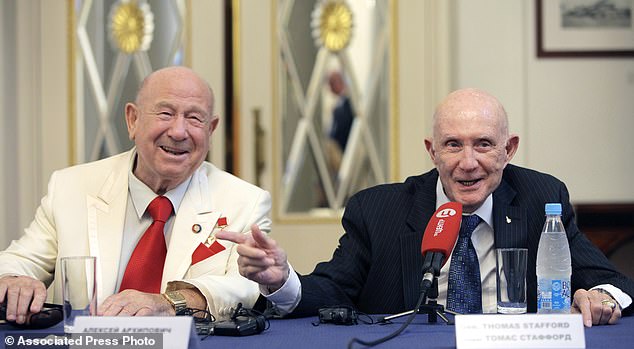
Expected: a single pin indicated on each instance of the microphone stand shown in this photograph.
(431, 307)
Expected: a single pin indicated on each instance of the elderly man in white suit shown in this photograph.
(99, 209)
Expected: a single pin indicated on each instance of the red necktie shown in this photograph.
(145, 267)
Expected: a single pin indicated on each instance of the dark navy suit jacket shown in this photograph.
(377, 265)
(342, 117)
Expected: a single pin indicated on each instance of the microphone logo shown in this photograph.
(445, 213)
(439, 227)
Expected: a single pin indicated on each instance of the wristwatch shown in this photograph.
(177, 301)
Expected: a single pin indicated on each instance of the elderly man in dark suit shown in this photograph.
(377, 265)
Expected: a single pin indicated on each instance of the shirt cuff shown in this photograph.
(286, 298)
(623, 298)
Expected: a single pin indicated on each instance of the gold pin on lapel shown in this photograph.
(508, 220)
(221, 223)
(196, 228)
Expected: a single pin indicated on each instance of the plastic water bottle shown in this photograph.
(553, 265)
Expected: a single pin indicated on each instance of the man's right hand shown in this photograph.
(261, 260)
(23, 295)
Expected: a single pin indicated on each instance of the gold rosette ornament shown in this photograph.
(131, 25)
(332, 24)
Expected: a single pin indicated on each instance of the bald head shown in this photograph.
(174, 74)
(336, 82)
(471, 103)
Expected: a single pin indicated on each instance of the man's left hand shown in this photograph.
(135, 303)
(596, 308)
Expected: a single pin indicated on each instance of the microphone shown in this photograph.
(440, 237)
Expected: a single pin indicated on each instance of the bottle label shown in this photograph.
(553, 294)
(561, 294)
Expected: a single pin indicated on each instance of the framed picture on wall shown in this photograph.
(585, 28)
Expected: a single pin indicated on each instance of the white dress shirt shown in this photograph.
(482, 239)
(137, 220)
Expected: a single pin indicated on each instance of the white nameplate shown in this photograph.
(520, 331)
(137, 331)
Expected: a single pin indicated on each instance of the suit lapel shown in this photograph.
(510, 228)
(411, 258)
(510, 224)
(196, 208)
(105, 220)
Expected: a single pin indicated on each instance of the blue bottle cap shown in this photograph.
(553, 209)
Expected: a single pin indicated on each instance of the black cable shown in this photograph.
(342, 315)
(240, 311)
(394, 334)
(363, 316)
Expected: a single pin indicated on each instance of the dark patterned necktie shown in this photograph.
(464, 293)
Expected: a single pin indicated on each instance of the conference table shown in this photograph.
(301, 333)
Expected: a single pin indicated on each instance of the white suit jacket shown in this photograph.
(83, 214)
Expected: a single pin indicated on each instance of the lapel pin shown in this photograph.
(196, 228)
(222, 222)
(508, 220)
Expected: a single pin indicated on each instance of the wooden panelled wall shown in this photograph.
(611, 228)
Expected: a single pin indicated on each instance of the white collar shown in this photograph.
(485, 211)
(142, 195)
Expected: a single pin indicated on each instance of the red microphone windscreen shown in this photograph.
(442, 230)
